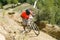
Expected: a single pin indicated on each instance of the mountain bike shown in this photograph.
(33, 26)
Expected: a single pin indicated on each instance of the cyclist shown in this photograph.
(25, 17)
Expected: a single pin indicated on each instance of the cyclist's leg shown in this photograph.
(28, 22)
(28, 29)
(24, 23)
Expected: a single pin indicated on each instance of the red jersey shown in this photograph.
(24, 15)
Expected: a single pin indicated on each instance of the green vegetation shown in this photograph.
(49, 10)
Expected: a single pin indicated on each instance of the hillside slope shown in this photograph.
(12, 31)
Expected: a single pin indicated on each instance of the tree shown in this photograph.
(1, 5)
(48, 7)
(30, 1)
(9, 1)
(14, 1)
(35, 3)
(22, 1)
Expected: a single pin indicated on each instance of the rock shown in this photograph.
(2, 37)
(12, 30)
(52, 30)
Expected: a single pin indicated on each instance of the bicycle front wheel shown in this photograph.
(36, 29)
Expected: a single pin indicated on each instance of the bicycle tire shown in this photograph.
(28, 29)
(36, 29)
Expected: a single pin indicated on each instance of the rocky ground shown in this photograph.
(10, 29)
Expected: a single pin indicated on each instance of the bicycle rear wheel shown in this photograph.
(28, 28)
(36, 29)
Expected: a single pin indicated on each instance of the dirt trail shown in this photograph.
(42, 36)
(12, 31)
